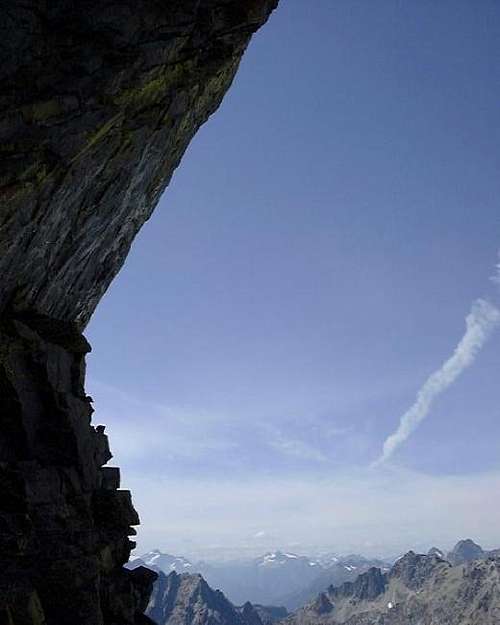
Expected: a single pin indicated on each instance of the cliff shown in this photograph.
(98, 102)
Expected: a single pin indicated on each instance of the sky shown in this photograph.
(302, 349)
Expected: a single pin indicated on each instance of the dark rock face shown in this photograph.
(98, 102)
(64, 523)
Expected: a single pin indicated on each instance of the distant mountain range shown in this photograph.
(417, 590)
(162, 562)
(276, 578)
(336, 572)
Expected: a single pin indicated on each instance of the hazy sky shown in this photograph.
(311, 265)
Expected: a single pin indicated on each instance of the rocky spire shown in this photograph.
(465, 551)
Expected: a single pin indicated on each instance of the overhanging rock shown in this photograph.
(98, 102)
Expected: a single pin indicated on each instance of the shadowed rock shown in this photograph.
(98, 102)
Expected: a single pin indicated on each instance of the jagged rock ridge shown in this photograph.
(339, 570)
(98, 101)
(419, 589)
(185, 599)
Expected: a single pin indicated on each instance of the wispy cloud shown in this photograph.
(144, 430)
(297, 448)
(289, 440)
(146, 434)
(260, 534)
(480, 323)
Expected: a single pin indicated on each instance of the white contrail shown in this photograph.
(480, 323)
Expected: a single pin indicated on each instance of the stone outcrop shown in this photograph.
(64, 522)
(98, 102)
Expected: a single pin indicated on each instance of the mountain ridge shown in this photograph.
(277, 577)
(418, 589)
(187, 599)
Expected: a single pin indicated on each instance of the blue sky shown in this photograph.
(311, 264)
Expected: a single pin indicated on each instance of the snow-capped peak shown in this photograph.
(166, 562)
(280, 558)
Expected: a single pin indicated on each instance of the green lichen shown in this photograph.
(99, 134)
(146, 95)
(156, 85)
(34, 610)
(45, 110)
(127, 141)
(8, 147)
(36, 173)
(42, 111)
(95, 137)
